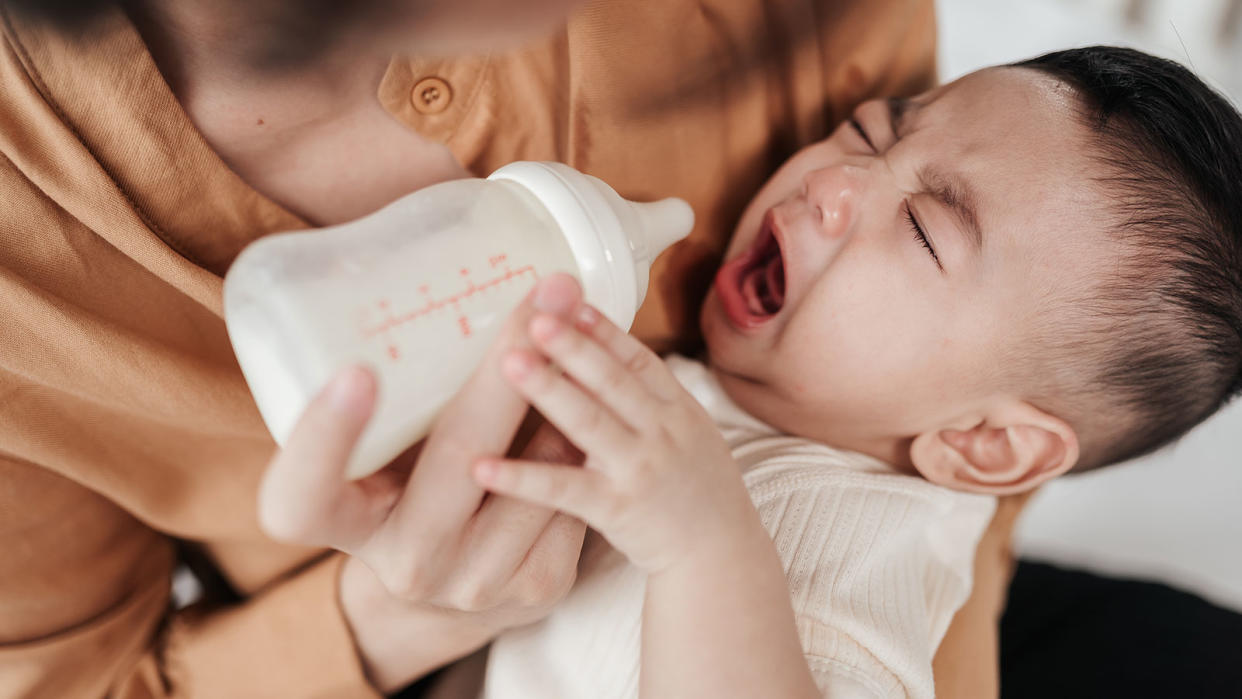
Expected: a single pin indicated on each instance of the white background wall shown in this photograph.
(1176, 516)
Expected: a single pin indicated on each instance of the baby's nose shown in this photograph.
(833, 193)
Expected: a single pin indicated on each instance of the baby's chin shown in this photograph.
(776, 409)
(727, 352)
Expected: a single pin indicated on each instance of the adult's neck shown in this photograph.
(211, 53)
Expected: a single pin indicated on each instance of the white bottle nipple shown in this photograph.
(651, 228)
(659, 225)
(613, 240)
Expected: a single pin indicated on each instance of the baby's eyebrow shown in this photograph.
(898, 109)
(955, 192)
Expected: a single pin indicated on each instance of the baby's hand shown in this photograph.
(659, 482)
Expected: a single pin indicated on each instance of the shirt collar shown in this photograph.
(106, 88)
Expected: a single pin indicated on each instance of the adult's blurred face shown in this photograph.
(289, 32)
(468, 26)
(293, 31)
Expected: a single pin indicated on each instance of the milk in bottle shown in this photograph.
(419, 289)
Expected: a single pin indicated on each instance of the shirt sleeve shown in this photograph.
(85, 611)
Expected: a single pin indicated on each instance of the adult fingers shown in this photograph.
(550, 567)
(482, 419)
(544, 575)
(495, 544)
(304, 497)
(505, 529)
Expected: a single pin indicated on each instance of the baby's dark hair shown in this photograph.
(1164, 349)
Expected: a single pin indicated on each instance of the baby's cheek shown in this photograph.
(855, 355)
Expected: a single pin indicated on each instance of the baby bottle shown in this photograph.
(418, 290)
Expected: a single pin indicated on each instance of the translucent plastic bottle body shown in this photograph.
(417, 291)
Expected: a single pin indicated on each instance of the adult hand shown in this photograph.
(430, 539)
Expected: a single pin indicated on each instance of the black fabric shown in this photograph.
(418, 689)
(1069, 634)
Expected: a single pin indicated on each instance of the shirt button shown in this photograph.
(431, 96)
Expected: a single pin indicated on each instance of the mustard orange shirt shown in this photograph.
(127, 435)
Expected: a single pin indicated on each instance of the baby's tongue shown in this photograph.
(774, 274)
(764, 287)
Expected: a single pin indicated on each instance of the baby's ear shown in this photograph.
(1014, 448)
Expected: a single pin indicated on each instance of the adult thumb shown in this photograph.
(303, 487)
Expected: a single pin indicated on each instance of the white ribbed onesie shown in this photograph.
(877, 561)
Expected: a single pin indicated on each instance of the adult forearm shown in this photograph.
(721, 625)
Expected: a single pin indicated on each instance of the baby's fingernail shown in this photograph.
(544, 327)
(587, 316)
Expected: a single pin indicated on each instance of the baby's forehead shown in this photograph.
(1012, 109)
(1014, 133)
(1017, 139)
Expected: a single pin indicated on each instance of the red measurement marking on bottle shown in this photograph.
(452, 302)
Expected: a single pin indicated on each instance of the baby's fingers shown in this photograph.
(592, 427)
(575, 490)
(609, 381)
(636, 357)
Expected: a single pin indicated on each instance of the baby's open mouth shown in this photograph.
(763, 280)
(752, 286)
